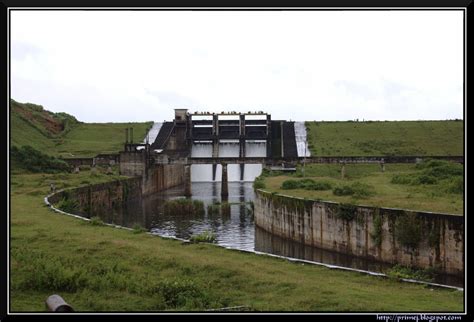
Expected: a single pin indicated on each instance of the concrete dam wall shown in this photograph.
(113, 198)
(416, 239)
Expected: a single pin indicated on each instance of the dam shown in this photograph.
(216, 147)
(214, 158)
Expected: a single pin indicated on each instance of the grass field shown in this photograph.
(385, 138)
(32, 125)
(23, 133)
(90, 139)
(424, 197)
(99, 268)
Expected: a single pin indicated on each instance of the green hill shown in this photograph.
(424, 138)
(61, 134)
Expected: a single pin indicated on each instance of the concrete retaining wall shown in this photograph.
(155, 177)
(162, 177)
(321, 224)
(102, 199)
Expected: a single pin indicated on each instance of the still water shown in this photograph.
(237, 229)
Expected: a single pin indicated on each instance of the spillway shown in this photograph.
(301, 140)
(227, 148)
(201, 172)
(153, 132)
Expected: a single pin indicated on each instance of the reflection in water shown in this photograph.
(235, 230)
(267, 243)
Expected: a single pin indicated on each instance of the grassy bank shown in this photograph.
(60, 134)
(385, 138)
(90, 139)
(376, 188)
(97, 268)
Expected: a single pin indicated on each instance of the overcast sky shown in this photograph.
(116, 66)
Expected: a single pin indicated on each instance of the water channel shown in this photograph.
(237, 229)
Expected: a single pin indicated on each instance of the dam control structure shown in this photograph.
(214, 146)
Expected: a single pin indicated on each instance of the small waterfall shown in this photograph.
(201, 172)
(201, 150)
(301, 142)
(256, 148)
(153, 133)
(227, 148)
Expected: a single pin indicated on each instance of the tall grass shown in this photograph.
(184, 206)
(447, 175)
(30, 159)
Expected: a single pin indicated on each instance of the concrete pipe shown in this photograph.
(56, 303)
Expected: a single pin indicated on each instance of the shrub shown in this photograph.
(362, 190)
(67, 205)
(33, 160)
(182, 293)
(445, 171)
(51, 274)
(423, 179)
(259, 183)
(401, 179)
(204, 237)
(346, 211)
(138, 229)
(213, 209)
(219, 208)
(308, 184)
(408, 230)
(184, 207)
(322, 185)
(291, 184)
(430, 163)
(400, 271)
(431, 172)
(376, 235)
(343, 191)
(96, 221)
(455, 185)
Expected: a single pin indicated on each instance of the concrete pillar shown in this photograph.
(242, 148)
(215, 124)
(76, 169)
(215, 148)
(242, 125)
(382, 165)
(224, 183)
(269, 124)
(343, 171)
(281, 139)
(269, 136)
(214, 169)
(187, 180)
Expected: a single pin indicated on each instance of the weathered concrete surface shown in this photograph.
(320, 224)
(103, 199)
(155, 177)
(162, 177)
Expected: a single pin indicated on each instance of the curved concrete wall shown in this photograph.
(319, 224)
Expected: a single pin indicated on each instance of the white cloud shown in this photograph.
(126, 66)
